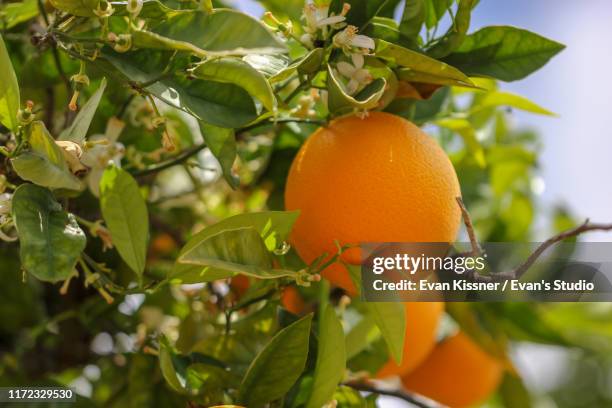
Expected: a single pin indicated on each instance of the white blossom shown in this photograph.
(348, 38)
(356, 74)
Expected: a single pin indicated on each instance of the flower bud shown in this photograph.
(134, 7)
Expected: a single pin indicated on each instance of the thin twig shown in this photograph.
(467, 220)
(585, 227)
(415, 399)
(179, 158)
(282, 120)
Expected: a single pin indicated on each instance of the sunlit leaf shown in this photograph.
(238, 72)
(273, 226)
(50, 238)
(411, 22)
(81, 8)
(278, 366)
(390, 317)
(331, 359)
(44, 164)
(503, 52)
(500, 98)
(79, 127)
(222, 32)
(20, 12)
(465, 129)
(222, 144)
(9, 90)
(420, 67)
(126, 216)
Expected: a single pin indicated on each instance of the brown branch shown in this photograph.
(467, 220)
(179, 158)
(415, 399)
(585, 227)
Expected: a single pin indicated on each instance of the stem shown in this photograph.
(283, 120)
(179, 158)
(323, 298)
(415, 399)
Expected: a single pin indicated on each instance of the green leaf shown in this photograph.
(222, 144)
(331, 359)
(391, 321)
(465, 129)
(412, 20)
(79, 127)
(309, 64)
(268, 65)
(126, 216)
(222, 32)
(456, 33)
(340, 102)
(513, 392)
(273, 226)
(240, 250)
(50, 238)
(44, 164)
(503, 52)
(421, 68)
(361, 12)
(235, 71)
(500, 98)
(278, 366)
(17, 13)
(434, 11)
(81, 8)
(9, 90)
(360, 335)
(349, 398)
(216, 103)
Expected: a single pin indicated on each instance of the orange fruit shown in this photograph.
(376, 179)
(422, 319)
(163, 244)
(292, 300)
(457, 373)
(239, 285)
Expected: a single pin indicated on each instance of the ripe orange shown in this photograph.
(292, 300)
(376, 179)
(457, 373)
(422, 319)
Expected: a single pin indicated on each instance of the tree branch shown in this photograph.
(585, 227)
(467, 220)
(179, 158)
(415, 399)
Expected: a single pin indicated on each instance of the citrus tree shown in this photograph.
(161, 249)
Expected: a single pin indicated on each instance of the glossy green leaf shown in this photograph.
(358, 338)
(456, 33)
(500, 98)
(222, 32)
(222, 144)
(331, 359)
(268, 65)
(44, 163)
(411, 22)
(384, 28)
(235, 71)
(81, 8)
(9, 90)
(216, 103)
(278, 366)
(347, 397)
(361, 12)
(420, 67)
(240, 250)
(340, 102)
(20, 12)
(126, 216)
(391, 321)
(50, 238)
(309, 64)
(273, 226)
(503, 52)
(79, 127)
